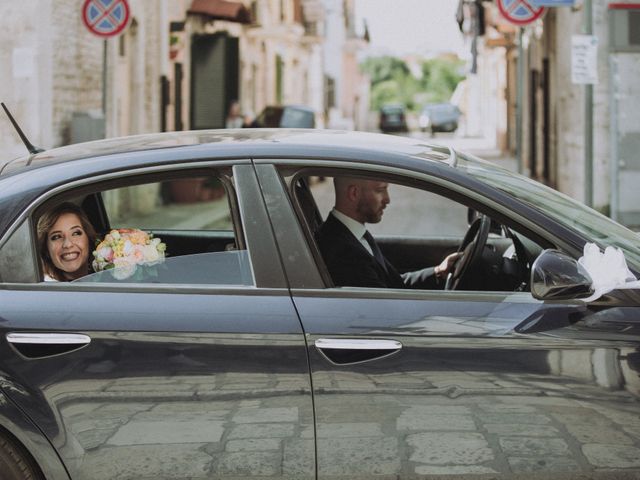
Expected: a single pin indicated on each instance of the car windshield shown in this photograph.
(560, 207)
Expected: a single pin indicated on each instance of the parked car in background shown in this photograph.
(237, 356)
(285, 116)
(439, 117)
(393, 119)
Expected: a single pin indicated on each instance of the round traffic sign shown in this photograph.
(519, 12)
(105, 18)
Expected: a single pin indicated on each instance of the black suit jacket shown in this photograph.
(350, 264)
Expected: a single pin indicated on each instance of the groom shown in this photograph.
(350, 252)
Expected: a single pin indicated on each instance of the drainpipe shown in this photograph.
(588, 118)
(519, 98)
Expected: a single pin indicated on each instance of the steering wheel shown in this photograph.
(471, 247)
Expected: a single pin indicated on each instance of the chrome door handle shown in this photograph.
(345, 351)
(49, 338)
(41, 345)
(357, 344)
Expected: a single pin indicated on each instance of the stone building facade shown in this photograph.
(551, 137)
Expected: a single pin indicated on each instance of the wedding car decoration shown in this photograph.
(124, 249)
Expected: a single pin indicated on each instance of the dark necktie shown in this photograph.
(377, 253)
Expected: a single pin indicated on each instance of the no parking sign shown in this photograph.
(105, 18)
(519, 12)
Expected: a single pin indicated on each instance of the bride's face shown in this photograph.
(68, 246)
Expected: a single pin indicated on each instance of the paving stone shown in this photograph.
(590, 418)
(453, 470)
(448, 448)
(249, 464)
(168, 431)
(543, 401)
(632, 430)
(266, 415)
(253, 445)
(526, 430)
(126, 409)
(299, 459)
(612, 456)
(243, 387)
(515, 418)
(422, 418)
(366, 456)
(145, 461)
(344, 430)
(262, 430)
(197, 406)
(548, 464)
(246, 378)
(95, 438)
(183, 415)
(533, 446)
(597, 434)
(506, 408)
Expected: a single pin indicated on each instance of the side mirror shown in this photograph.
(557, 276)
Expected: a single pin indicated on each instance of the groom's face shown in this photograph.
(373, 199)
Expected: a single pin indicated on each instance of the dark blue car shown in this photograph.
(237, 357)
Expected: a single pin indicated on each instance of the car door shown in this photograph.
(412, 383)
(166, 380)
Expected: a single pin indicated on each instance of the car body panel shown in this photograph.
(470, 391)
(167, 380)
(14, 421)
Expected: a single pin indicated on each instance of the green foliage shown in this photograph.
(393, 82)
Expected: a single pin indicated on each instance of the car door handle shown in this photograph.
(39, 345)
(345, 351)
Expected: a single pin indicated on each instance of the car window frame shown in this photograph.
(291, 170)
(270, 273)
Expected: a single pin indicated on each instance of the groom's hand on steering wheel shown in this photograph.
(447, 264)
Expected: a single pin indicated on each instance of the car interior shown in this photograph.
(195, 215)
(496, 256)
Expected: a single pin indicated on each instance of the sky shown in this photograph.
(400, 27)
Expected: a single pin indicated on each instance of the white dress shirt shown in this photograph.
(356, 228)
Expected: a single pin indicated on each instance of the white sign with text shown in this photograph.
(584, 59)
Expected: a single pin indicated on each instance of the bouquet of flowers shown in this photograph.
(123, 249)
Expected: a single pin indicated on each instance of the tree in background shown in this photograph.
(393, 82)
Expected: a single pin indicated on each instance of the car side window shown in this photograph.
(415, 230)
(171, 230)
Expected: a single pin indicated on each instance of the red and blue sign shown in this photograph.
(520, 12)
(105, 18)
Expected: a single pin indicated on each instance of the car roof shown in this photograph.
(236, 143)
(26, 178)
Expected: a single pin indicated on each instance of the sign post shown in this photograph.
(520, 13)
(105, 18)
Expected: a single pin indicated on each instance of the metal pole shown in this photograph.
(104, 79)
(613, 109)
(588, 118)
(519, 98)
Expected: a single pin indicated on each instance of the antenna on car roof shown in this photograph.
(23, 137)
